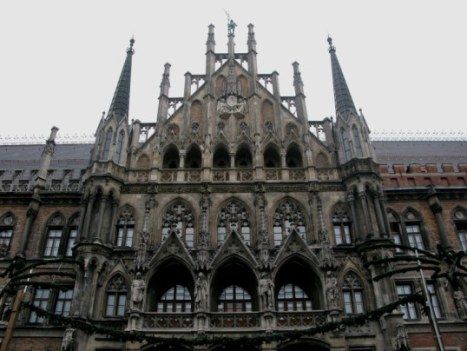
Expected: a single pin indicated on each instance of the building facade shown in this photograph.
(232, 215)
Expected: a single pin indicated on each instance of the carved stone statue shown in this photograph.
(201, 293)
(266, 292)
(68, 340)
(461, 303)
(331, 289)
(137, 292)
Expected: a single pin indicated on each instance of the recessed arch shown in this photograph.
(171, 157)
(293, 157)
(169, 274)
(143, 162)
(271, 156)
(193, 158)
(243, 157)
(221, 158)
(297, 272)
(237, 274)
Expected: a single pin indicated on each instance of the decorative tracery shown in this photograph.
(288, 216)
(179, 217)
(233, 217)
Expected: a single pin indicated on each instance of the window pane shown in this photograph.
(129, 237)
(110, 304)
(71, 242)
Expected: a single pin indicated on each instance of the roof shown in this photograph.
(421, 151)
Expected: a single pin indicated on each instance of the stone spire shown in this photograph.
(342, 98)
(210, 52)
(231, 34)
(164, 94)
(121, 99)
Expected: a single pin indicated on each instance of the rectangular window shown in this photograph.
(277, 231)
(54, 237)
(396, 235)
(338, 235)
(414, 236)
(63, 303)
(129, 236)
(342, 234)
(409, 310)
(462, 234)
(5, 240)
(221, 231)
(71, 241)
(434, 300)
(246, 235)
(41, 300)
(189, 236)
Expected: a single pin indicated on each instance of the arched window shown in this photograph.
(287, 216)
(293, 157)
(171, 158)
(352, 292)
(243, 157)
(271, 158)
(346, 145)
(413, 229)
(7, 225)
(234, 299)
(291, 297)
(233, 216)
(55, 228)
(125, 228)
(460, 220)
(116, 297)
(221, 158)
(357, 142)
(119, 146)
(175, 299)
(107, 143)
(342, 226)
(193, 157)
(179, 217)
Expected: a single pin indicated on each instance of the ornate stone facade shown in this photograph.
(233, 215)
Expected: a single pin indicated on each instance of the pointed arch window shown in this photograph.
(460, 221)
(395, 229)
(271, 158)
(125, 228)
(193, 157)
(243, 157)
(292, 297)
(107, 143)
(352, 291)
(346, 145)
(171, 158)
(176, 299)
(293, 157)
(119, 146)
(342, 226)
(288, 216)
(7, 225)
(413, 230)
(55, 228)
(357, 141)
(116, 294)
(233, 217)
(180, 218)
(221, 158)
(234, 298)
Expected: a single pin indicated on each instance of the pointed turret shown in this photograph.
(121, 99)
(231, 34)
(164, 94)
(210, 52)
(342, 98)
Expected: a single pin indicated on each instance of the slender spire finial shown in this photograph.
(132, 42)
(332, 48)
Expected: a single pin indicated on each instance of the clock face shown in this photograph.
(231, 100)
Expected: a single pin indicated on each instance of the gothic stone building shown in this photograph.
(231, 215)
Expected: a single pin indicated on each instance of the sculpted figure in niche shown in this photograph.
(266, 292)
(137, 292)
(201, 293)
(331, 289)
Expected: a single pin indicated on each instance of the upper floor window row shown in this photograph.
(61, 236)
(224, 158)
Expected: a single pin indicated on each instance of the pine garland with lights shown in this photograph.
(91, 327)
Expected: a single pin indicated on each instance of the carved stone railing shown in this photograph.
(168, 176)
(301, 319)
(235, 320)
(192, 175)
(167, 320)
(272, 173)
(220, 175)
(297, 174)
(245, 175)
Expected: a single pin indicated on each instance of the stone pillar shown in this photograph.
(366, 213)
(102, 205)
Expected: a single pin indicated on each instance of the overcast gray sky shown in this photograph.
(405, 61)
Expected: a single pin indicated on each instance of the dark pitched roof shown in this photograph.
(423, 152)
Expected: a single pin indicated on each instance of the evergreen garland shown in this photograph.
(91, 327)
